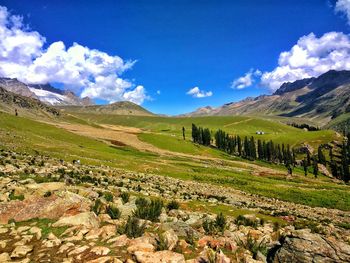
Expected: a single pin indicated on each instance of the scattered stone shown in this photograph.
(87, 219)
(21, 251)
(170, 238)
(159, 257)
(100, 251)
(304, 246)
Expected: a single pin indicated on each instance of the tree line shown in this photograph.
(303, 126)
(269, 151)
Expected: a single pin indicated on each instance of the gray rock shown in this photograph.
(304, 246)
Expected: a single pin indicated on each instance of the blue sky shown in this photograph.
(179, 45)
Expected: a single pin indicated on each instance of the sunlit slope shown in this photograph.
(235, 125)
(25, 135)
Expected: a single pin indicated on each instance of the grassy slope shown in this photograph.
(241, 125)
(340, 123)
(27, 135)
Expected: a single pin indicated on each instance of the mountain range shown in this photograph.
(321, 99)
(324, 100)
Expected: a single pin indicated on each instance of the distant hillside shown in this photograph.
(117, 108)
(320, 99)
(44, 92)
(9, 102)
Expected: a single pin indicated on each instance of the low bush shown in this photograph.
(47, 194)
(12, 196)
(149, 211)
(132, 228)
(251, 244)
(241, 220)
(161, 243)
(212, 227)
(125, 197)
(173, 205)
(141, 201)
(108, 196)
(97, 207)
(113, 212)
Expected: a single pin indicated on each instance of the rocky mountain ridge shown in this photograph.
(44, 92)
(322, 99)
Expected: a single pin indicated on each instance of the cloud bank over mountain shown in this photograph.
(95, 73)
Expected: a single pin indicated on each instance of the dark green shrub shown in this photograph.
(113, 212)
(220, 222)
(97, 207)
(108, 196)
(132, 228)
(151, 211)
(141, 201)
(47, 194)
(189, 238)
(11, 220)
(161, 243)
(173, 205)
(253, 245)
(276, 226)
(12, 196)
(241, 220)
(119, 184)
(125, 197)
(212, 227)
(209, 227)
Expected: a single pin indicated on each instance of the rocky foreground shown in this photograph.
(54, 211)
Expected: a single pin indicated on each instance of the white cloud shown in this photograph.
(158, 92)
(95, 73)
(197, 93)
(245, 81)
(343, 6)
(310, 57)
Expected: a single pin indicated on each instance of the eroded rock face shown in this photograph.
(304, 246)
(159, 257)
(87, 219)
(63, 204)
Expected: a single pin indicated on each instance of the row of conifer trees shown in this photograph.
(272, 152)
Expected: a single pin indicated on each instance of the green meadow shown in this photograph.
(214, 167)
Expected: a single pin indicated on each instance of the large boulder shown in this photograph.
(304, 246)
(170, 238)
(63, 203)
(87, 219)
(164, 256)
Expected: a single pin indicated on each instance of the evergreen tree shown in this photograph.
(315, 166)
(308, 158)
(239, 145)
(260, 150)
(321, 157)
(345, 163)
(252, 148)
(305, 166)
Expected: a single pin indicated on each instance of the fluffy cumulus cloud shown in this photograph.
(343, 6)
(95, 73)
(310, 57)
(197, 93)
(245, 81)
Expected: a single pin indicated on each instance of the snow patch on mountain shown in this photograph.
(51, 97)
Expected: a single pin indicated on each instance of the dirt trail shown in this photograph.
(238, 122)
(121, 135)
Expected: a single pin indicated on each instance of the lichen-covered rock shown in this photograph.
(87, 219)
(21, 251)
(304, 246)
(164, 256)
(63, 204)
